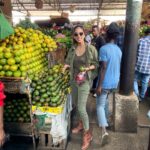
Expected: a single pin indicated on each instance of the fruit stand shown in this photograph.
(33, 85)
(17, 113)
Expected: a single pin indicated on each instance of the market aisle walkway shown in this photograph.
(119, 141)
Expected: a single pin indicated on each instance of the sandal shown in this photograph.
(78, 129)
(87, 138)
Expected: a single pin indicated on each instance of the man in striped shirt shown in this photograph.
(142, 67)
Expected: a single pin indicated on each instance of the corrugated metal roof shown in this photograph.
(69, 4)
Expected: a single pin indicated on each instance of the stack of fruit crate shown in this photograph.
(18, 110)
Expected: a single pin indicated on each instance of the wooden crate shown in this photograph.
(56, 57)
(22, 129)
(13, 85)
(45, 140)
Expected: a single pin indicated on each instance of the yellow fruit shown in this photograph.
(11, 61)
(1, 55)
(7, 55)
(6, 67)
(13, 68)
(1, 67)
(2, 73)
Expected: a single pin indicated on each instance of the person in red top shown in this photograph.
(2, 97)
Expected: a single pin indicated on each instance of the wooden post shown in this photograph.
(7, 10)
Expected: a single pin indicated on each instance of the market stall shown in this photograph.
(35, 86)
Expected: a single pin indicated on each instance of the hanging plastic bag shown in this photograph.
(5, 27)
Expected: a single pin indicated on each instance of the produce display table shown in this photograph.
(55, 135)
(35, 83)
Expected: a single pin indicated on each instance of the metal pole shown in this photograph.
(133, 16)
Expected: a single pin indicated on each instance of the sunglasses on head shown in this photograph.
(80, 33)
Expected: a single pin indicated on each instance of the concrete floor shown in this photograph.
(118, 141)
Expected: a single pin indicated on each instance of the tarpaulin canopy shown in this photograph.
(5, 27)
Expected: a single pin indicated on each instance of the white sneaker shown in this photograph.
(148, 114)
(94, 95)
(105, 139)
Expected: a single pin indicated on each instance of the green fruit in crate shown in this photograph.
(33, 85)
(33, 102)
(52, 89)
(52, 83)
(59, 102)
(47, 99)
(44, 96)
(9, 73)
(35, 79)
(36, 93)
(17, 59)
(24, 108)
(53, 104)
(3, 61)
(38, 104)
(44, 86)
(43, 90)
(37, 98)
(38, 87)
(42, 100)
(17, 73)
(39, 82)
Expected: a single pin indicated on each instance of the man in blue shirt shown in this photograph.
(142, 66)
(109, 75)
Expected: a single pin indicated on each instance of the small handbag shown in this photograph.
(80, 78)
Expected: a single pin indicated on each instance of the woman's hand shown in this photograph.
(2, 137)
(65, 67)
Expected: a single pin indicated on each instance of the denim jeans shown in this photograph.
(144, 78)
(102, 108)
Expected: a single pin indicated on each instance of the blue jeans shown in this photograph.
(144, 78)
(102, 108)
